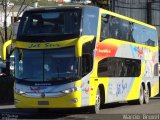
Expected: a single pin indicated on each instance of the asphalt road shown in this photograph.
(116, 111)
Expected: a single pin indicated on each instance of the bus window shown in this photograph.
(86, 64)
(119, 67)
(105, 27)
(90, 21)
(49, 25)
(144, 35)
(151, 36)
(125, 30)
(113, 27)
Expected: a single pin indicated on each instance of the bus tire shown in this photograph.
(96, 108)
(146, 95)
(140, 100)
(141, 96)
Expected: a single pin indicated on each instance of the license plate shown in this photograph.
(43, 103)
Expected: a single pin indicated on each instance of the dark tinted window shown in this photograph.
(87, 58)
(113, 27)
(119, 67)
(50, 24)
(115, 30)
(105, 32)
(86, 64)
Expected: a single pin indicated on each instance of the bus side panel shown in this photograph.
(134, 91)
(111, 48)
(155, 87)
(94, 84)
(86, 89)
(120, 87)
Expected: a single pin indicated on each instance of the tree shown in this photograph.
(7, 8)
(105, 4)
(101, 3)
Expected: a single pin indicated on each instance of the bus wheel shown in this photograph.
(140, 100)
(141, 96)
(146, 95)
(96, 107)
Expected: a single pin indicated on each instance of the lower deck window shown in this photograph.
(119, 67)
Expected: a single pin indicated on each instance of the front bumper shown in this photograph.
(71, 100)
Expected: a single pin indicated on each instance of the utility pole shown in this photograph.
(149, 11)
(110, 5)
(113, 5)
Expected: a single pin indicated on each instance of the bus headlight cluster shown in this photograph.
(67, 91)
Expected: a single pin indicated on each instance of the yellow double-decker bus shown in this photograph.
(77, 56)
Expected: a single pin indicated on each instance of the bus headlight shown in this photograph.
(67, 91)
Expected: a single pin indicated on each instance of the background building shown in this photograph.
(144, 10)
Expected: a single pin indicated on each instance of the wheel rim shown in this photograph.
(98, 101)
(141, 98)
(146, 93)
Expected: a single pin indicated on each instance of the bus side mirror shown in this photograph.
(4, 49)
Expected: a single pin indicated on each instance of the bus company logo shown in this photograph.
(43, 45)
(30, 46)
(51, 45)
(105, 50)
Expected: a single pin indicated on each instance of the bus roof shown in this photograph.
(60, 8)
(87, 7)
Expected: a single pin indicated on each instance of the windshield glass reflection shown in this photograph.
(46, 65)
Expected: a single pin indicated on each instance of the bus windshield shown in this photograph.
(45, 65)
(50, 25)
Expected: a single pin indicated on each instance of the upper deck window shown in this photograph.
(121, 29)
(49, 25)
